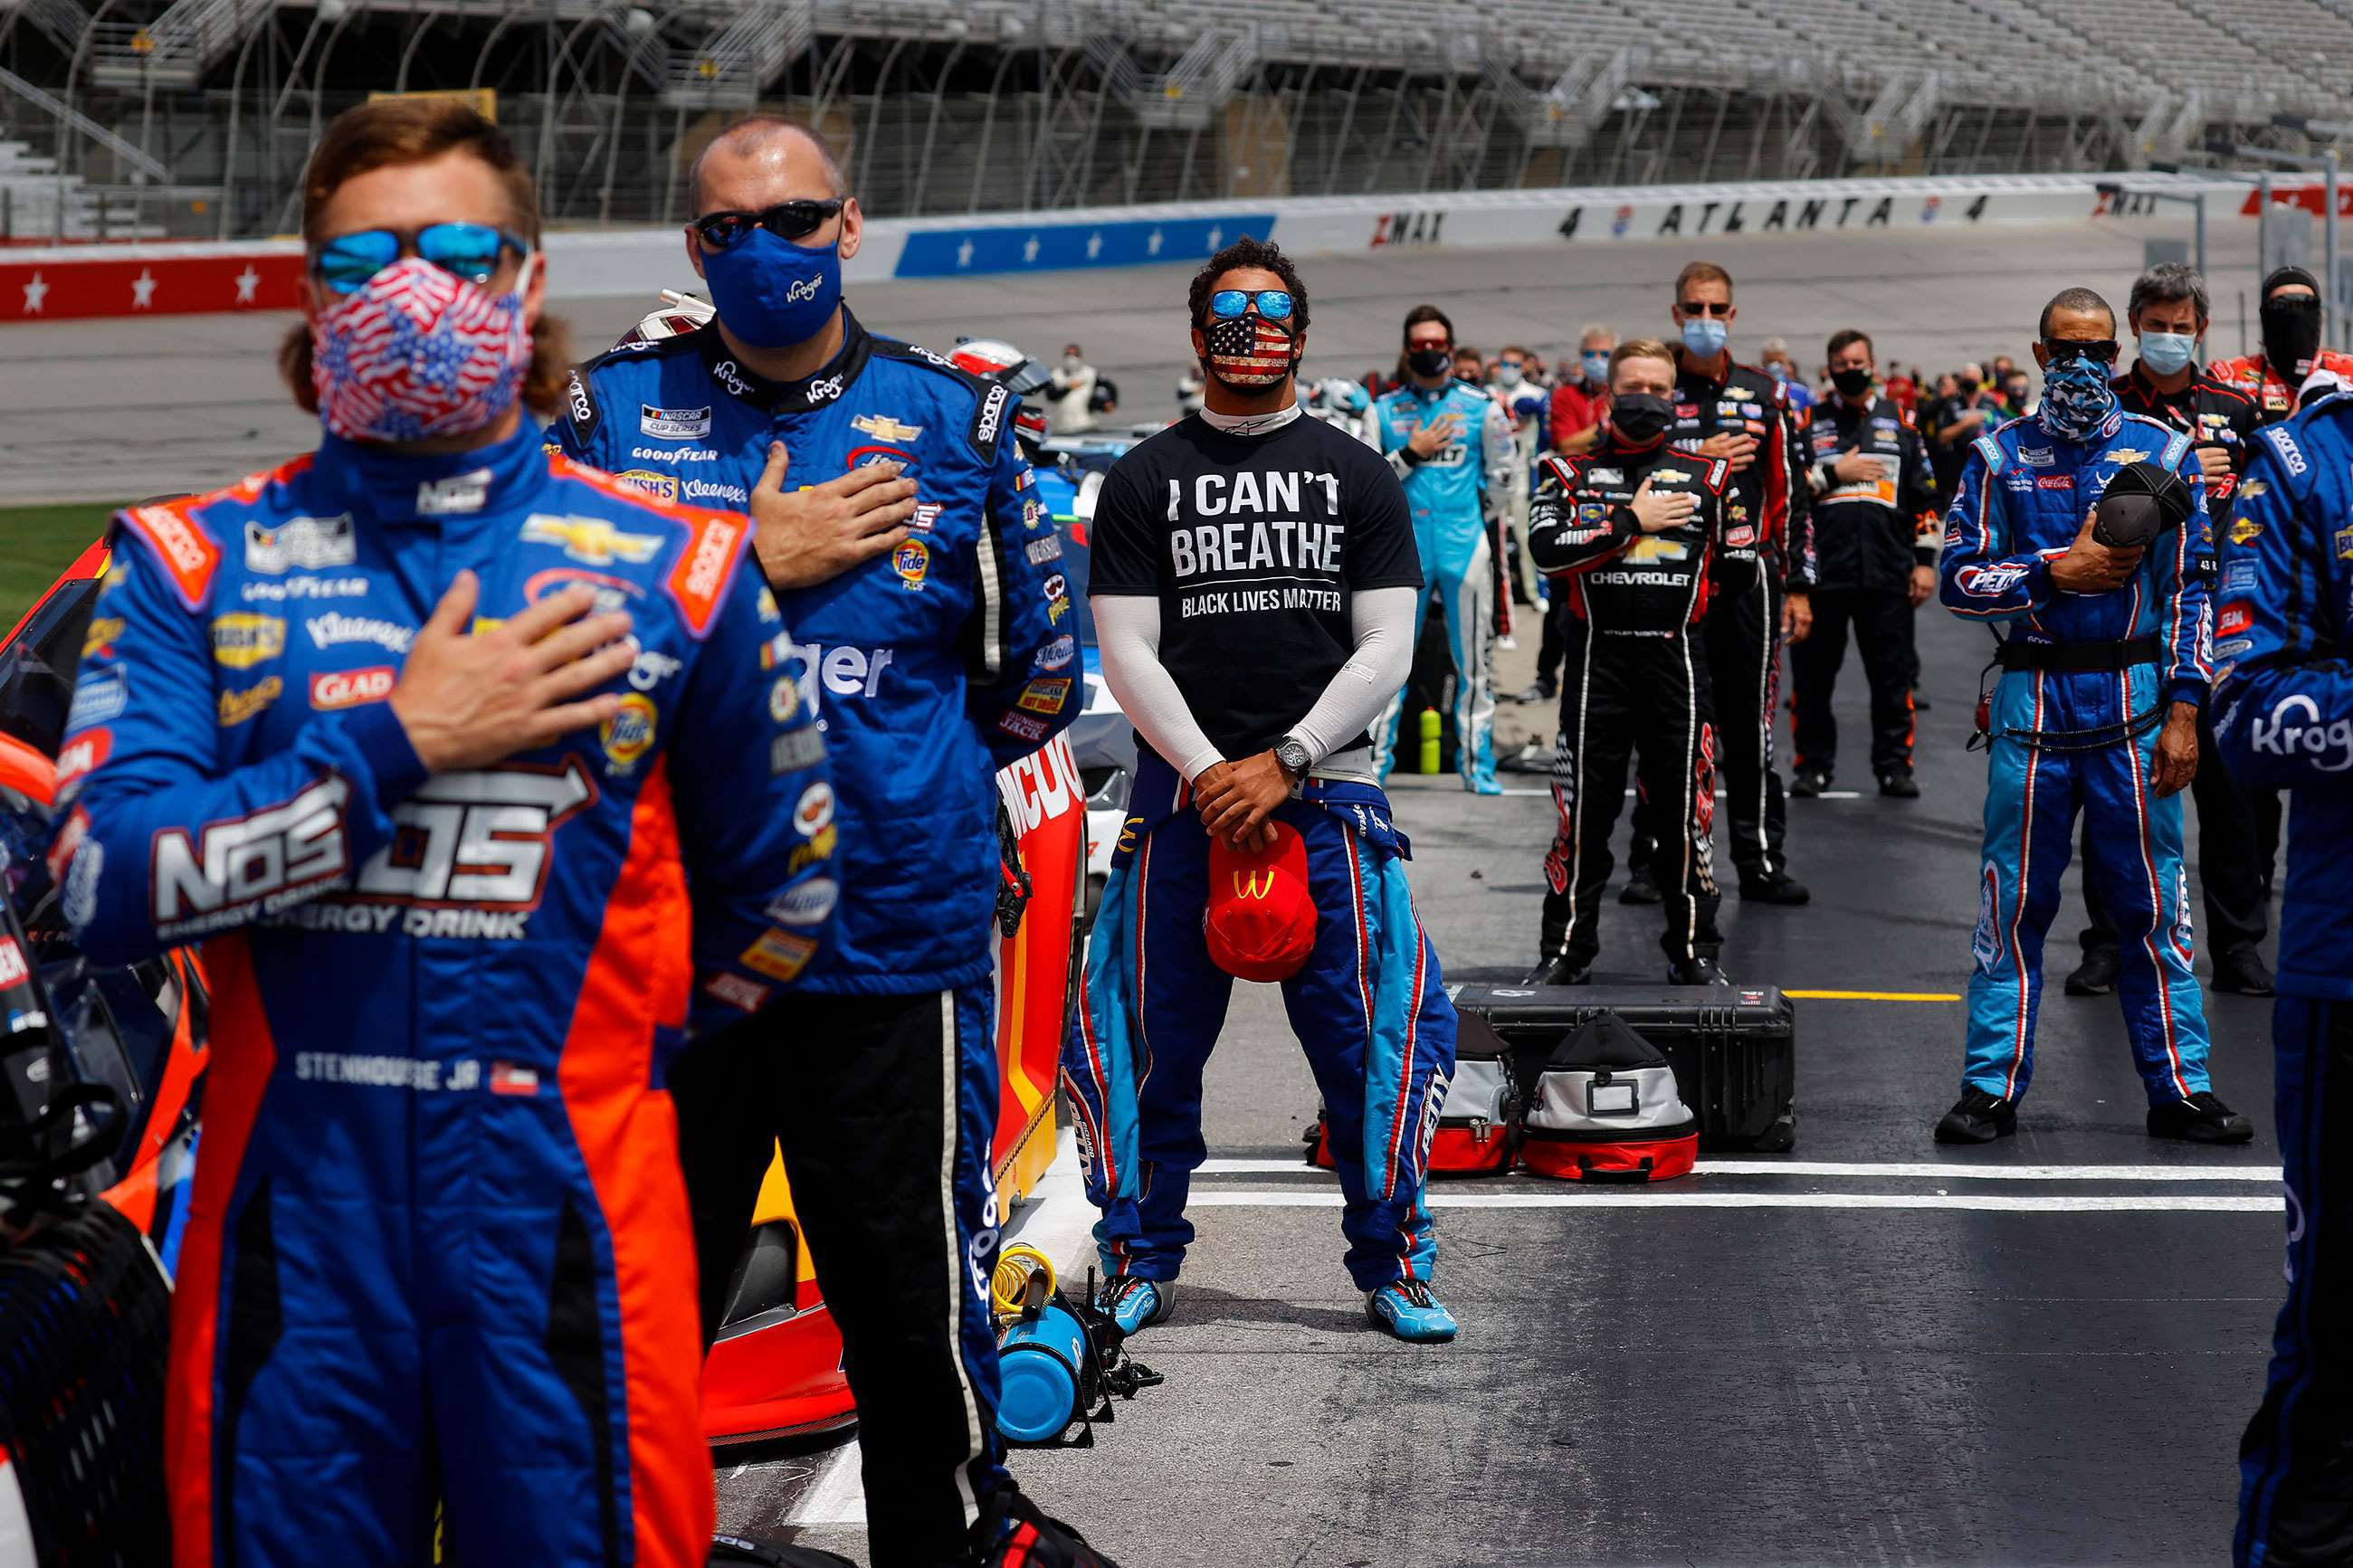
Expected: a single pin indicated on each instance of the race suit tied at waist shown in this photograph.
(2124, 654)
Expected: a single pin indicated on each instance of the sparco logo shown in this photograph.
(174, 538)
(992, 414)
(2295, 729)
(583, 410)
(711, 558)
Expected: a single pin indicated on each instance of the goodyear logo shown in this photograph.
(629, 734)
(242, 640)
(591, 540)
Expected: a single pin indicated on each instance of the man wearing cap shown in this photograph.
(1253, 579)
(2083, 532)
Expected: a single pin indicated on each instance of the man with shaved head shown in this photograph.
(2083, 533)
(925, 618)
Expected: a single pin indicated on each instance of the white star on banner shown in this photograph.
(964, 254)
(248, 281)
(1094, 244)
(1152, 243)
(1029, 248)
(143, 291)
(35, 292)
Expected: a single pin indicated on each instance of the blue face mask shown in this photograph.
(772, 293)
(2167, 353)
(1705, 335)
(1596, 367)
(2076, 397)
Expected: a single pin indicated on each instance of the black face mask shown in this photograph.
(2291, 333)
(1851, 382)
(1638, 418)
(1430, 361)
(1964, 386)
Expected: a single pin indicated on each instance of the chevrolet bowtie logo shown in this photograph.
(1246, 884)
(883, 427)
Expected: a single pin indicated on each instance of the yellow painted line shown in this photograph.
(1876, 995)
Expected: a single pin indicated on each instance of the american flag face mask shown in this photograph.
(1249, 351)
(416, 353)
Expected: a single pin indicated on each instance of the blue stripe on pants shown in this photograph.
(1369, 1008)
(2134, 840)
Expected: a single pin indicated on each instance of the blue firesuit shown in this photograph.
(1453, 493)
(2284, 719)
(1369, 1008)
(2087, 679)
(435, 1228)
(929, 668)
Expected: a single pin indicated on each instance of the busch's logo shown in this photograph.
(2295, 729)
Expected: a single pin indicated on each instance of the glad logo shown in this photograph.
(2294, 729)
(82, 754)
(331, 688)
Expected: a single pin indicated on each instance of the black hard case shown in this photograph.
(1734, 1048)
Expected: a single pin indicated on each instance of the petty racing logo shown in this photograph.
(2296, 730)
(1985, 944)
(591, 540)
(1989, 582)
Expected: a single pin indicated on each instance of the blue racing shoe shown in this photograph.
(1134, 1303)
(1407, 1309)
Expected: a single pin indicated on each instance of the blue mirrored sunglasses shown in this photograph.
(472, 251)
(1274, 304)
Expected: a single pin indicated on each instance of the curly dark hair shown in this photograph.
(1258, 255)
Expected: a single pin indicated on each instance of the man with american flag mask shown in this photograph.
(1253, 576)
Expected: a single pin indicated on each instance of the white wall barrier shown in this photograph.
(58, 282)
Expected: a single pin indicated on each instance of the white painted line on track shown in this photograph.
(1897, 1171)
(2011, 1203)
(1059, 1222)
(1826, 795)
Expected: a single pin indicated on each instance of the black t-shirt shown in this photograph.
(1253, 545)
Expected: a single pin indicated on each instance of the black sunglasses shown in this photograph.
(785, 220)
(1705, 307)
(2104, 350)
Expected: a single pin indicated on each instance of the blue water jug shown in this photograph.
(1039, 1364)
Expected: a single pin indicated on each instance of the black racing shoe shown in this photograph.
(1012, 1530)
(1807, 783)
(2096, 975)
(1541, 691)
(1558, 971)
(1640, 888)
(1901, 785)
(2201, 1119)
(1780, 888)
(1978, 1118)
(2242, 972)
(1695, 972)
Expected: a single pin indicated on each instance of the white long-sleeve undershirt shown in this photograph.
(1127, 632)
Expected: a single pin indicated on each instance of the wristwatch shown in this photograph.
(1293, 756)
